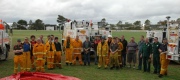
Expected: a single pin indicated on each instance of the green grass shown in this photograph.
(91, 72)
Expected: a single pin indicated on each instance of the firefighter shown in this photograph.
(39, 55)
(77, 45)
(18, 56)
(102, 52)
(145, 54)
(26, 54)
(48, 37)
(32, 42)
(119, 52)
(156, 56)
(109, 43)
(163, 60)
(57, 56)
(114, 47)
(68, 50)
(50, 49)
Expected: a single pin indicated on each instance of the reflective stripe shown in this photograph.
(39, 53)
(163, 69)
(77, 53)
(77, 48)
(40, 59)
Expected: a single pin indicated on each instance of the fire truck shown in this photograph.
(4, 42)
(172, 33)
(84, 28)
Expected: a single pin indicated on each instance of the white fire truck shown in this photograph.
(172, 33)
(4, 42)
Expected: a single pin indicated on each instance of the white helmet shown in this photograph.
(110, 36)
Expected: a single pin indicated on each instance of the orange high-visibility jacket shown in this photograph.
(77, 44)
(47, 47)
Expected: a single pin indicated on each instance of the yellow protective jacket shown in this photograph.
(47, 47)
(102, 50)
(77, 44)
(71, 43)
(120, 46)
(39, 48)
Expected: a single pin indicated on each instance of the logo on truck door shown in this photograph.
(82, 31)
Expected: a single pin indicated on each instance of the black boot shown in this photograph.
(117, 67)
(67, 64)
(160, 75)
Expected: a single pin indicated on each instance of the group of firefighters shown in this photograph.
(111, 52)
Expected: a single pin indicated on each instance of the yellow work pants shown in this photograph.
(27, 61)
(40, 61)
(68, 55)
(79, 57)
(164, 64)
(50, 59)
(57, 59)
(18, 59)
(114, 59)
(102, 61)
(120, 58)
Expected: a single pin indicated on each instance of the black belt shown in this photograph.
(18, 53)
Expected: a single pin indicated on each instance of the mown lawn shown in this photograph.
(91, 72)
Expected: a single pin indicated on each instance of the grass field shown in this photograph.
(91, 72)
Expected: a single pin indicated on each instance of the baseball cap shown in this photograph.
(18, 40)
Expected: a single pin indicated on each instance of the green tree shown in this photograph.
(147, 22)
(22, 24)
(61, 20)
(137, 23)
(37, 25)
(178, 20)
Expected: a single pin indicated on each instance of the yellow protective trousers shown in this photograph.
(164, 63)
(40, 61)
(18, 59)
(102, 61)
(79, 57)
(114, 59)
(50, 59)
(57, 58)
(27, 61)
(68, 55)
(119, 58)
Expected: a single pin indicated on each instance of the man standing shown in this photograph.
(57, 56)
(87, 47)
(102, 51)
(39, 55)
(33, 42)
(68, 50)
(163, 60)
(140, 43)
(145, 53)
(26, 54)
(119, 52)
(41, 38)
(50, 49)
(77, 45)
(96, 42)
(132, 49)
(18, 56)
(114, 54)
(109, 43)
(124, 42)
(156, 56)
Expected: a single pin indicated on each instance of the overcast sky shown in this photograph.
(95, 10)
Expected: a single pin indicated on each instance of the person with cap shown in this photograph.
(50, 49)
(124, 51)
(132, 48)
(26, 54)
(57, 56)
(114, 47)
(77, 48)
(102, 52)
(32, 42)
(163, 60)
(146, 54)
(140, 43)
(109, 43)
(39, 55)
(96, 42)
(68, 46)
(156, 56)
(18, 56)
(119, 52)
(86, 51)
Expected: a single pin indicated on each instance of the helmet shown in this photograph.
(110, 36)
